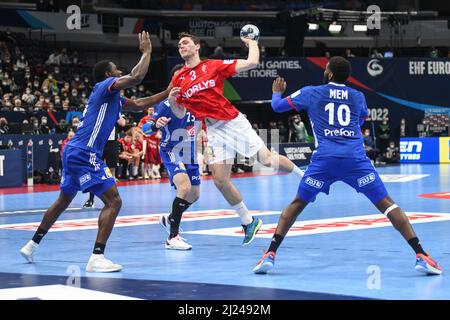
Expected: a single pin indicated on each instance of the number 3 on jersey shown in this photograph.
(343, 114)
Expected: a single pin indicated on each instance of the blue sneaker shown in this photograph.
(427, 265)
(251, 230)
(266, 263)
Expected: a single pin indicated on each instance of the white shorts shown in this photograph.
(228, 137)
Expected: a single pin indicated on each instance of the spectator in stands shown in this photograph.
(66, 88)
(297, 132)
(434, 53)
(4, 128)
(66, 104)
(384, 134)
(6, 102)
(44, 127)
(61, 127)
(75, 99)
(28, 97)
(69, 136)
(283, 131)
(22, 62)
(74, 59)
(392, 154)
(76, 83)
(6, 83)
(18, 75)
(75, 123)
(376, 54)
(140, 91)
(18, 105)
(39, 105)
(53, 58)
(63, 57)
(58, 76)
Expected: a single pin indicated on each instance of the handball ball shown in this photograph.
(250, 31)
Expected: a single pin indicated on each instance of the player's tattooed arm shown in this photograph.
(139, 71)
(177, 108)
(253, 56)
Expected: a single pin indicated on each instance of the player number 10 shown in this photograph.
(343, 118)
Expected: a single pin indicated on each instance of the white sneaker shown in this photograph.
(28, 250)
(177, 243)
(98, 263)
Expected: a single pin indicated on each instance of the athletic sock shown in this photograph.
(178, 207)
(275, 243)
(99, 248)
(414, 243)
(40, 233)
(243, 213)
(298, 172)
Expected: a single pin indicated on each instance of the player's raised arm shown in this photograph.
(140, 70)
(279, 104)
(253, 56)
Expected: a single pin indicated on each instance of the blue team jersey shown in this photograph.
(334, 111)
(99, 117)
(177, 130)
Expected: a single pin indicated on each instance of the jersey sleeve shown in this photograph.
(226, 68)
(364, 109)
(105, 87)
(300, 99)
(161, 110)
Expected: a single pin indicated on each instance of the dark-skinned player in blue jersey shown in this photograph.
(83, 168)
(336, 113)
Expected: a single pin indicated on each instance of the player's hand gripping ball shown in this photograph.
(250, 31)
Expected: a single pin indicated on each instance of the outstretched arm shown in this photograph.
(279, 104)
(253, 56)
(142, 104)
(140, 70)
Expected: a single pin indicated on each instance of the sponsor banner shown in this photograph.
(444, 149)
(42, 143)
(12, 168)
(58, 292)
(320, 226)
(128, 221)
(419, 150)
(299, 153)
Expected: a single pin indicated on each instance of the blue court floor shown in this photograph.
(339, 248)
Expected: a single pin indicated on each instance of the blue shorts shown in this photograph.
(174, 165)
(358, 173)
(85, 171)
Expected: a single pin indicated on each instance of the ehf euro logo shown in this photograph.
(374, 68)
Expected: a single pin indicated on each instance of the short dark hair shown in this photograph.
(185, 34)
(175, 69)
(99, 70)
(340, 67)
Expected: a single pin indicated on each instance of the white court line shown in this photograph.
(320, 226)
(6, 213)
(132, 220)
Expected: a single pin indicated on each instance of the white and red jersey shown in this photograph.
(202, 89)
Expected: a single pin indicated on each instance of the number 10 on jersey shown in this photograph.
(343, 114)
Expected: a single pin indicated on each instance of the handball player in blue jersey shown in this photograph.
(336, 113)
(177, 148)
(83, 168)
